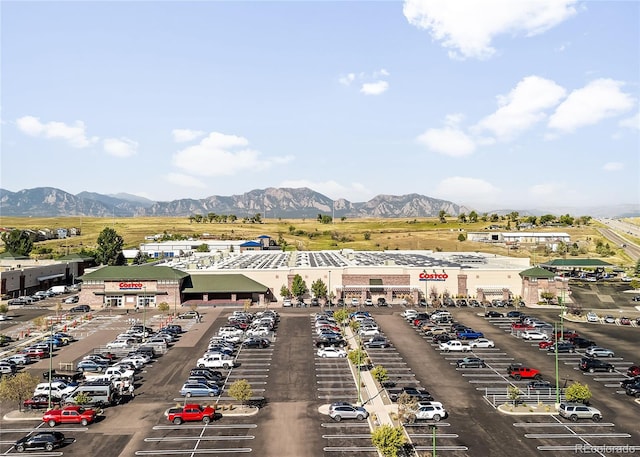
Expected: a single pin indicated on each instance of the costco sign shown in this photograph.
(130, 285)
(433, 276)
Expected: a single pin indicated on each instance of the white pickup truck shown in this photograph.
(454, 346)
(112, 374)
(216, 361)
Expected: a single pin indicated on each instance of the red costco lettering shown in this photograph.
(433, 276)
(130, 285)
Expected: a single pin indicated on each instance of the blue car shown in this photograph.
(89, 365)
(196, 389)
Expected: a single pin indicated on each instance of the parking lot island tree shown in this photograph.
(578, 392)
(341, 316)
(241, 391)
(380, 374)
(285, 292)
(17, 387)
(388, 440)
(319, 288)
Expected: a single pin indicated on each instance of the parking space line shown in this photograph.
(341, 425)
(574, 435)
(442, 448)
(577, 448)
(199, 438)
(357, 436)
(561, 424)
(194, 451)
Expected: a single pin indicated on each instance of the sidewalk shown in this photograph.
(372, 399)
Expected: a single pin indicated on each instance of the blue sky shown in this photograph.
(492, 104)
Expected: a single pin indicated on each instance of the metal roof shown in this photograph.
(134, 272)
(222, 283)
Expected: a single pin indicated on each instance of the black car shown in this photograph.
(442, 338)
(327, 341)
(562, 347)
(256, 343)
(207, 372)
(80, 309)
(593, 365)
(539, 385)
(382, 301)
(629, 382)
(493, 314)
(633, 390)
(514, 314)
(470, 362)
(315, 302)
(582, 343)
(377, 342)
(40, 440)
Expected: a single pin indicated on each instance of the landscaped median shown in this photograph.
(525, 409)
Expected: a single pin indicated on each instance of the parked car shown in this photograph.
(625, 321)
(577, 411)
(482, 343)
(40, 440)
(592, 365)
(633, 370)
(493, 314)
(80, 309)
(90, 365)
(252, 343)
(190, 413)
(539, 384)
(190, 315)
(582, 342)
(633, 390)
(592, 317)
(72, 299)
(562, 347)
(530, 335)
(331, 351)
(597, 351)
(377, 342)
(73, 414)
(470, 362)
(339, 411)
(609, 319)
(431, 411)
(40, 402)
(194, 389)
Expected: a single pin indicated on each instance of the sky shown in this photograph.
(490, 104)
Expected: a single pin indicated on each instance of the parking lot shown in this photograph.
(295, 384)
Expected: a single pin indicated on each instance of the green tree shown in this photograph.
(299, 287)
(513, 392)
(462, 237)
(380, 373)
(341, 315)
(140, 258)
(357, 357)
(241, 390)
(547, 296)
(442, 215)
(634, 284)
(462, 217)
(473, 216)
(285, 292)
(4, 308)
(367, 236)
(164, 307)
(319, 288)
(578, 392)
(388, 440)
(17, 387)
(204, 247)
(109, 246)
(17, 242)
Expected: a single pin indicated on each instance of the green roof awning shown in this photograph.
(131, 273)
(577, 263)
(222, 283)
(537, 272)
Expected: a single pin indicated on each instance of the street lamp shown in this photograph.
(555, 327)
(50, 363)
(329, 293)
(433, 428)
(144, 314)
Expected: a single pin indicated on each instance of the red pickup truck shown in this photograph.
(73, 414)
(191, 413)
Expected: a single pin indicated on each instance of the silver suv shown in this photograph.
(574, 412)
(339, 411)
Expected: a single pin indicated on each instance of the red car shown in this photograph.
(567, 335)
(546, 344)
(625, 321)
(40, 402)
(73, 414)
(633, 370)
(35, 353)
(520, 326)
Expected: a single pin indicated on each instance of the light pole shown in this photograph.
(434, 428)
(557, 373)
(144, 314)
(329, 292)
(50, 363)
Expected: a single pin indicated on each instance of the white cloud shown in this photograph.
(74, 134)
(120, 147)
(375, 88)
(613, 166)
(464, 189)
(523, 107)
(545, 190)
(355, 192)
(183, 180)
(467, 27)
(347, 79)
(184, 135)
(219, 154)
(632, 122)
(449, 141)
(598, 100)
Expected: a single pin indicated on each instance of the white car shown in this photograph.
(530, 335)
(287, 303)
(597, 351)
(355, 302)
(409, 314)
(259, 331)
(368, 332)
(119, 344)
(482, 343)
(431, 411)
(592, 317)
(331, 352)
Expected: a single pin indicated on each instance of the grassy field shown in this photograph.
(308, 234)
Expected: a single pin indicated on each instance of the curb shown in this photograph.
(254, 410)
(21, 416)
(525, 413)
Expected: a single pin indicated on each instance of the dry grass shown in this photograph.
(390, 234)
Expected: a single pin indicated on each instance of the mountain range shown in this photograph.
(269, 203)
